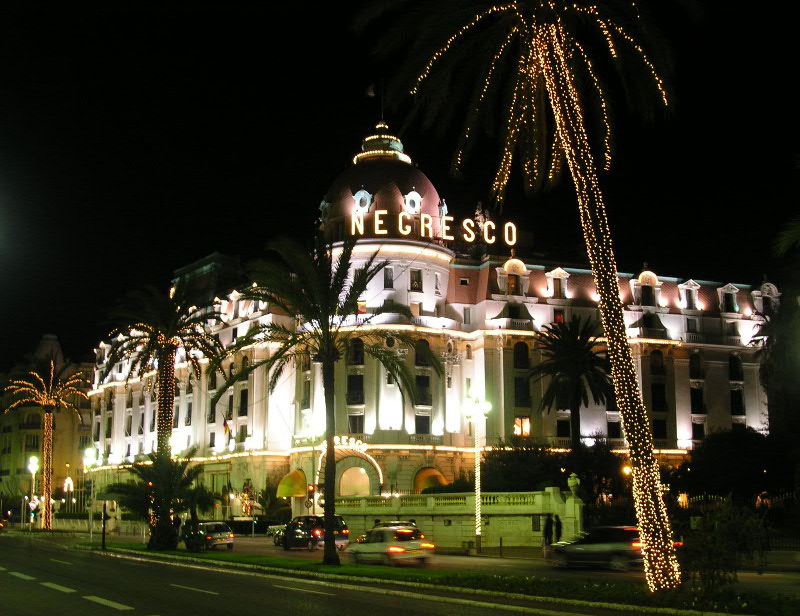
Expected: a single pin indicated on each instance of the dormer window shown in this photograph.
(361, 202)
(512, 278)
(647, 284)
(727, 299)
(413, 202)
(766, 299)
(557, 281)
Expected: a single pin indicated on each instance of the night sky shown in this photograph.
(136, 140)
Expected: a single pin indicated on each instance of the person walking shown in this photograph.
(557, 529)
(547, 535)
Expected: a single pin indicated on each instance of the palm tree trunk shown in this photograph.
(330, 557)
(575, 424)
(166, 399)
(47, 470)
(661, 566)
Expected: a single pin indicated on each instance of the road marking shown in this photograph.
(107, 603)
(21, 576)
(63, 562)
(314, 592)
(208, 592)
(57, 587)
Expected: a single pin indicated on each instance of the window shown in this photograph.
(737, 402)
(188, 419)
(522, 391)
(735, 370)
(211, 415)
(416, 280)
(242, 435)
(243, 410)
(729, 302)
(423, 395)
(229, 414)
(513, 285)
(153, 413)
(176, 416)
(355, 353)
(522, 425)
(305, 400)
(468, 352)
(558, 316)
(731, 328)
(696, 400)
(212, 440)
(212, 380)
(468, 387)
(691, 326)
(415, 308)
(558, 288)
(109, 424)
(660, 429)
(698, 431)
(128, 450)
(422, 424)
(31, 442)
(464, 282)
(562, 428)
(128, 425)
(695, 366)
(388, 278)
(437, 282)
(658, 392)
(657, 363)
(691, 299)
(355, 423)
(422, 351)
(306, 362)
(467, 315)
(355, 389)
(614, 429)
(521, 359)
(647, 295)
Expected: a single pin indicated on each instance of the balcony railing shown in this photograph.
(426, 439)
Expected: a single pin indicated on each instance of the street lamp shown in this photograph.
(476, 412)
(33, 467)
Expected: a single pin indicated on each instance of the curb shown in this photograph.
(126, 553)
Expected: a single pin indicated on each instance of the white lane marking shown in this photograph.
(63, 562)
(107, 603)
(208, 592)
(314, 592)
(21, 576)
(57, 587)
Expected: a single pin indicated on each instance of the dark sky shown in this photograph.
(134, 140)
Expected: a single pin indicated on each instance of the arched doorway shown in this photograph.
(354, 482)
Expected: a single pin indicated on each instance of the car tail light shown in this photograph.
(426, 545)
(208, 538)
(317, 532)
(677, 544)
(346, 531)
(396, 549)
(636, 545)
(231, 535)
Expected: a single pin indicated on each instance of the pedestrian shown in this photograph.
(557, 528)
(547, 535)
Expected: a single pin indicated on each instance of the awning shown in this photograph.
(428, 478)
(293, 484)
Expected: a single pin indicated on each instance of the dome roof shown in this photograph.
(382, 178)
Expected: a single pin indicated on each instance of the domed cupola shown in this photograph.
(394, 198)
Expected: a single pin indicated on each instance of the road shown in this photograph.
(41, 575)
(782, 582)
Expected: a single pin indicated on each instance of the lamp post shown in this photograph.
(33, 467)
(476, 412)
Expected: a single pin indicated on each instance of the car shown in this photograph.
(390, 545)
(208, 535)
(307, 531)
(389, 523)
(277, 535)
(616, 547)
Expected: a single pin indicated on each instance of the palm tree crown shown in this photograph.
(575, 367)
(52, 388)
(320, 293)
(153, 327)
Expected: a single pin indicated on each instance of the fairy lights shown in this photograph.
(550, 63)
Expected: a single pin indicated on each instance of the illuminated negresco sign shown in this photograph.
(468, 230)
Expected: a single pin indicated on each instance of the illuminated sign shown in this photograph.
(467, 231)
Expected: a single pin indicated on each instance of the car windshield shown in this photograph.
(406, 534)
(217, 528)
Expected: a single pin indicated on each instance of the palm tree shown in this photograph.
(547, 54)
(50, 387)
(152, 327)
(165, 487)
(575, 368)
(320, 295)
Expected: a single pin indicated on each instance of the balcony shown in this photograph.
(426, 439)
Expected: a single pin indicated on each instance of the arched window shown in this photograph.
(245, 363)
(355, 354)
(521, 359)
(421, 353)
(468, 351)
(354, 482)
(695, 366)
(656, 362)
(735, 369)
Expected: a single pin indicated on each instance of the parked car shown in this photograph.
(392, 544)
(617, 547)
(208, 535)
(307, 531)
(277, 535)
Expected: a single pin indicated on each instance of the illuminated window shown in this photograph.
(513, 285)
(388, 278)
(355, 423)
(558, 288)
(467, 315)
(416, 280)
(522, 426)
(558, 316)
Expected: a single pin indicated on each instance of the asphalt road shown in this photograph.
(40, 575)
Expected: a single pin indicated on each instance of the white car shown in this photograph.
(393, 544)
